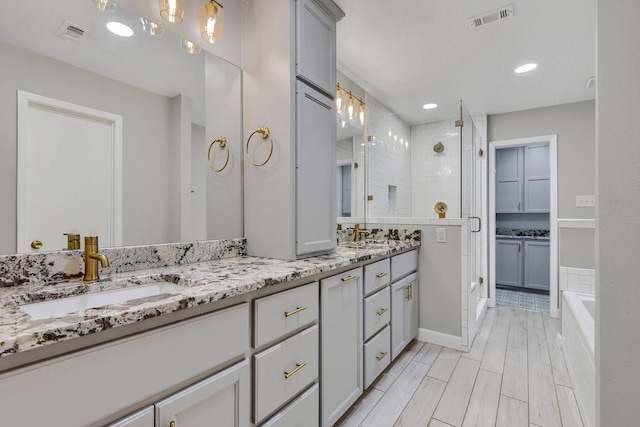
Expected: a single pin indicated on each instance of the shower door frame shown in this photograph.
(552, 140)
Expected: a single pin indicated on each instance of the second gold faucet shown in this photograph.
(91, 258)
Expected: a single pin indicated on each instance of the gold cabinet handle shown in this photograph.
(382, 356)
(381, 312)
(299, 366)
(410, 292)
(379, 275)
(172, 424)
(36, 244)
(348, 278)
(296, 311)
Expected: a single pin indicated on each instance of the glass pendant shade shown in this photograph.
(190, 47)
(340, 101)
(211, 21)
(171, 10)
(151, 27)
(361, 114)
(104, 4)
(351, 111)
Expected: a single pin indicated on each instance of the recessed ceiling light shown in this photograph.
(525, 68)
(119, 29)
(429, 106)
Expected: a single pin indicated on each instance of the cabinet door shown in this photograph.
(398, 332)
(536, 264)
(221, 400)
(341, 331)
(411, 312)
(536, 190)
(509, 262)
(315, 46)
(509, 165)
(142, 418)
(315, 171)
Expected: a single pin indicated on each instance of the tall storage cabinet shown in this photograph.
(341, 344)
(289, 85)
(522, 179)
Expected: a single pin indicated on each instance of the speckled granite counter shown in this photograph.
(514, 233)
(202, 282)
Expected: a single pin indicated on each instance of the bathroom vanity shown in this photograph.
(246, 341)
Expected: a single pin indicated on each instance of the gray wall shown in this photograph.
(618, 232)
(148, 167)
(575, 126)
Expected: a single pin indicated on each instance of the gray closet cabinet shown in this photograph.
(536, 264)
(522, 263)
(522, 179)
(509, 259)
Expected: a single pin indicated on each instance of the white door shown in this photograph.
(69, 173)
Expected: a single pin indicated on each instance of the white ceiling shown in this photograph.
(410, 52)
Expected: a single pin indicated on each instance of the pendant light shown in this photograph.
(151, 27)
(104, 4)
(340, 100)
(171, 10)
(351, 111)
(211, 21)
(361, 114)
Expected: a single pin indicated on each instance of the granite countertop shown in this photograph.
(513, 233)
(201, 283)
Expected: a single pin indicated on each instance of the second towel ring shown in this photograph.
(264, 133)
(223, 144)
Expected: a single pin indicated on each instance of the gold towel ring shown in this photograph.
(223, 144)
(264, 134)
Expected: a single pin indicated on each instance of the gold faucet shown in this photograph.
(359, 232)
(73, 241)
(91, 258)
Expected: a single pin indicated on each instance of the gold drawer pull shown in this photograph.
(379, 275)
(382, 356)
(381, 312)
(296, 311)
(299, 366)
(172, 424)
(346, 279)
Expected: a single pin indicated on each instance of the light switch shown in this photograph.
(441, 235)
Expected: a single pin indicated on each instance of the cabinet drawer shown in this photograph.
(377, 355)
(376, 275)
(279, 314)
(284, 370)
(377, 312)
(403, 264)
(304, 411)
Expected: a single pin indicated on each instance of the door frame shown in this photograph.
(25, 101)
(552, 140)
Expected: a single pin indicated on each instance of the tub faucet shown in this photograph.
(91, 258)
(359, 233)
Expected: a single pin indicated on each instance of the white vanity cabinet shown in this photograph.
(290, 364)
(404, 302)
(107, 379)
(341, 344)
(289, 64)
(221, 400)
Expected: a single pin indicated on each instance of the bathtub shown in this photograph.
(578, 335)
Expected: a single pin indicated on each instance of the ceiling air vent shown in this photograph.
(70, 31)
(489, 17)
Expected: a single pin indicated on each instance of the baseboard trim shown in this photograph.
(439, 338)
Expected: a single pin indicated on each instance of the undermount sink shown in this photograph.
(57, 307)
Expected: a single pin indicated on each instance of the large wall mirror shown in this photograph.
(172, 106)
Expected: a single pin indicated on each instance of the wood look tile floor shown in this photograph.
(513, 376)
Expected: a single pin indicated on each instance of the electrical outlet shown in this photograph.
(441, 235)
(585, 201)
